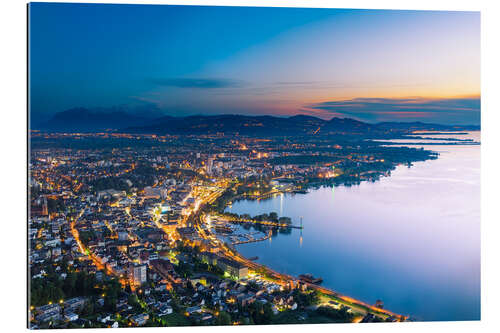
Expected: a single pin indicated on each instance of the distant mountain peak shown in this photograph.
(91, 120)
(82, 119)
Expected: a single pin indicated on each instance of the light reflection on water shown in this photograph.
(412, 239)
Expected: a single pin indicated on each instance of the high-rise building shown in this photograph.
(122, 235)
(45, 206)
(210, 165)
(138, 274)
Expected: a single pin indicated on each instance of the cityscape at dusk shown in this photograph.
(211, 165)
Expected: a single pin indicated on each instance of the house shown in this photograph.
(193, 309)
(74, 304)
(47, 309)
(54, 316)
(104, 319)
(140, 319)
(164, 309)
(207, 316)
(70, 316)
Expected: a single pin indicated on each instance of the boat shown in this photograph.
(253, 258)
(300, 191)
(309, 278)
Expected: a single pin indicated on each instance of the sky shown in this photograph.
(370, 65)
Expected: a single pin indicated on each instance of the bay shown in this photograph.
(411, 239)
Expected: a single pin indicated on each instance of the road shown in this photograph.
(95, 259)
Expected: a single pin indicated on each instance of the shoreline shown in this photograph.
(285, 279)
(463, 144)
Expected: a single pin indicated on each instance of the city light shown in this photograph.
(183, 213)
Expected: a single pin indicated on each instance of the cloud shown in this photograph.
(449, 110)
(197, 83)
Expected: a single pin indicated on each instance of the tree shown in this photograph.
(134, 302)
(305, 298)
(273, 216)
(262, 314)
(88, 309)
(339, 315)
(223, 318)
(184, 270)
(266, 315)
(252, 285)
(189, 287)
(110, 304)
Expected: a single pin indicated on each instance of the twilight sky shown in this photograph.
(371, 65)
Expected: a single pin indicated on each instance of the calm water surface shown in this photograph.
(411, 239)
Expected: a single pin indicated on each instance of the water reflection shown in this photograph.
(411, 239)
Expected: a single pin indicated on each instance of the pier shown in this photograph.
(254, 240)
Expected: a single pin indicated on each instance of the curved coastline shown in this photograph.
(346, 300)
(426, 166)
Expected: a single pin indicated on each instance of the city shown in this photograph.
(136, 235)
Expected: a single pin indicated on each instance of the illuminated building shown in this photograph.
(138, 273)
(210, 165)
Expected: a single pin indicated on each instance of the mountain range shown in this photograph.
(84, 120)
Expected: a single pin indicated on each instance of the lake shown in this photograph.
(411, 239)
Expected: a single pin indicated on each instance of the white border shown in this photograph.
(13, 162)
